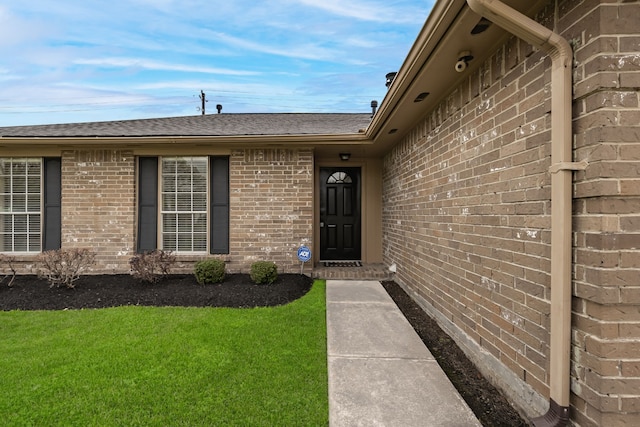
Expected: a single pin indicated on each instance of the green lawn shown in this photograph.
(166, 366)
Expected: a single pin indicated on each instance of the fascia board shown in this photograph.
(256, 140)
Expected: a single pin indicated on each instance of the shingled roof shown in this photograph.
(207, 125)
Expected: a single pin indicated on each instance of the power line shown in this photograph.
(288, 102)
(99, 100)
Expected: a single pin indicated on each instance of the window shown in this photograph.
(20, 205)
(30, 195)
(183, 204)
(339, 178)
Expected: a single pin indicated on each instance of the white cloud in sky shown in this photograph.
(364, 10)
(305, 51)
(88, 60)
(15, 30)
(158, 65)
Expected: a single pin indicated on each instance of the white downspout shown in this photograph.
(561, 195)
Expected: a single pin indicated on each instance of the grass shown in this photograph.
(156, 366)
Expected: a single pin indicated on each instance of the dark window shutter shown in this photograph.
(219, 238)
(147, 204)
(52, 231)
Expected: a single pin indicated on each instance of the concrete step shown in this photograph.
(363, 272)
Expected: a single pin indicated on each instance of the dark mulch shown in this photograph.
(99, 291)
(486, 402)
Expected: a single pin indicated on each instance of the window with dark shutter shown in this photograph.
(185, 202)
(219, 239)
(147, 204)
(52, 230)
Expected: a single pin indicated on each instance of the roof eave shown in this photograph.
(442, 14)
(427, 76)
(301, 139)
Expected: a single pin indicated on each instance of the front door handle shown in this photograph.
(321, 224)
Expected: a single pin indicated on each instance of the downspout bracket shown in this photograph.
(556, 416)
(571, 166)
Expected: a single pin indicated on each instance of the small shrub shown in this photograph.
(209, 271)
(151, 266)
(8, 269)
(64, 266)
(264, 272)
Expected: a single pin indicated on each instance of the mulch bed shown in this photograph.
(100, 291)
(486, 402)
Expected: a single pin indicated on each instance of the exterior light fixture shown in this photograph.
(345, 156)
(421, 97)
(482, 26)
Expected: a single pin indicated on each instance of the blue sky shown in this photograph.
(85, 60)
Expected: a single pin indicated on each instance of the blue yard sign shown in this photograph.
(304, 253)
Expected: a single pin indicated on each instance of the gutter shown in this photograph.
(561, 195)
(231, 140)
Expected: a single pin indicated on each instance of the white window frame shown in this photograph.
(177, 232)
(16, 205)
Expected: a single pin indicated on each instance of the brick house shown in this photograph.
(500, 181)
(236, 186)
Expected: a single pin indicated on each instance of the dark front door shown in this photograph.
(340, 214)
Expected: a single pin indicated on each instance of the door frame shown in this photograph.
(358, 254)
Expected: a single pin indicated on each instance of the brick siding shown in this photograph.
(271, 209)
(99, 205)
(271, 206)
(606, 336)
(467, 213)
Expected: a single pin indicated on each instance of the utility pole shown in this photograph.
(202, 97)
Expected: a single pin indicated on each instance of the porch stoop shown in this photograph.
(364, 272)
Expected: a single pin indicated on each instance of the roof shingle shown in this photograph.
(202, 125)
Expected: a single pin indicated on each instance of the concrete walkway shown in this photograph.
(380, 372)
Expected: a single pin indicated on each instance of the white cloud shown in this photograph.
(15, 30)
(145, 55)
(365, 11)
(160, 66)
(306, 51)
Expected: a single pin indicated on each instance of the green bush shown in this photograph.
(264, 272)
(209, 271)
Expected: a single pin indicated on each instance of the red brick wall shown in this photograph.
(467, 205)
